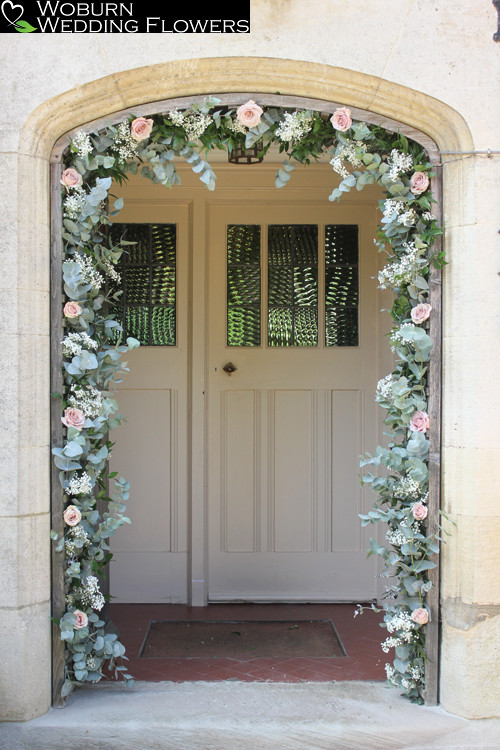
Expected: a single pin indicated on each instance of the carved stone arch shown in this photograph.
(163, 86)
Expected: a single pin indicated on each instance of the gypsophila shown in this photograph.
(195, 125)
(398, 164)
(295, 125)
(176, 116)
(400, 622)
(124, 143)
(111, 270)
(407, 487)
(392, 208)
(90, 594)
(403, 270)
(86, 398)
(408, 218)
(237, 127)
(395, 537)
(397, 337)
(74, 343)
(76, 539)
(338, 166)
(81, 485)
(384, 387)
(89, 273)
(82, 143)
(74, 203)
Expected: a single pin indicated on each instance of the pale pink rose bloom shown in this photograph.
(419, 511)
(341, 119)
(420, 616)
(70, 178)
(421, 312)
(72, 515)
(73, 418)
(419, 182)
(72, 310)
(81, 619)
(141, 128)
(419, 422)
(249, 114)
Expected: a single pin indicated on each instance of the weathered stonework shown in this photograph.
(428, 80)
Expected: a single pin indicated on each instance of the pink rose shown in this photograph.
(72, 310)
(72, 515)
(70, 178)
(420, 616)
(419, 182)
(419, 511)
(81, 619)
(419, 422)
(249, 114)
(141, 128)
(341, 119)
(73, 418)
(421, 312)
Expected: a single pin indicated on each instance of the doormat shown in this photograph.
(241, 640)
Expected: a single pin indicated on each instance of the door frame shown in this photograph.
(198, 552)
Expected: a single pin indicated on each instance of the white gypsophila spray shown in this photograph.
(83, 143)
(86, 398)
(76, 539)
(74, 203)
(399, 163)
(294, 126)
(74, 343)
(384, 387)
(403, 270)
(88, 272)
(81, 485)
(195, 125)
(124, 143)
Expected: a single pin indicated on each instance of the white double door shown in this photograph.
(269, 511)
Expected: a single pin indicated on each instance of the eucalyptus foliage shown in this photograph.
(93, 349)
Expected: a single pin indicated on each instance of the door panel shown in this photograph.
(285, 430)
(150, 556)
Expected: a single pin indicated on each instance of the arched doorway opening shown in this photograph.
(330, 105)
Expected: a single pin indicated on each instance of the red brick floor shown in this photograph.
(360, 636)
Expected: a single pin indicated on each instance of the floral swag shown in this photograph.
(92, 351)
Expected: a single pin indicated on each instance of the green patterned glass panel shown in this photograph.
(137, 285)
(293, 285)
(243, 326)
(243, 285)
(147, 307)
(163, 326)
(280, 328)
(136, 323)
(341, 285)
(341, 327)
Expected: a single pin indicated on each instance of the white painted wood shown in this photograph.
(285, 434)
(150, 561)
(271, 526)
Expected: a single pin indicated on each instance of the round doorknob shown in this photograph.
(229, 368)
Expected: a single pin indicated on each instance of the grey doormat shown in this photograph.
(241, 640)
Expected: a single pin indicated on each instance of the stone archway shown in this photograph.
(128, 90)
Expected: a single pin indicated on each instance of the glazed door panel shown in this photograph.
(286, 429)
(150, 560)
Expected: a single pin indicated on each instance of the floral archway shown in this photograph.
(92, 349)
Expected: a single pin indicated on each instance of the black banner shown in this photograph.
(64, 17)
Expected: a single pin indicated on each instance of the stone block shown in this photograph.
(25, 667)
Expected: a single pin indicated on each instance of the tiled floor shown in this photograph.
(360, 636)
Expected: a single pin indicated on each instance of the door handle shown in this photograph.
(229, 368)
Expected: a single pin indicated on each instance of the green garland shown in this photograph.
(92, 349)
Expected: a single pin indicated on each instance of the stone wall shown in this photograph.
(423, 62)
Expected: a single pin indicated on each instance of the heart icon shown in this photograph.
(12, 11)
